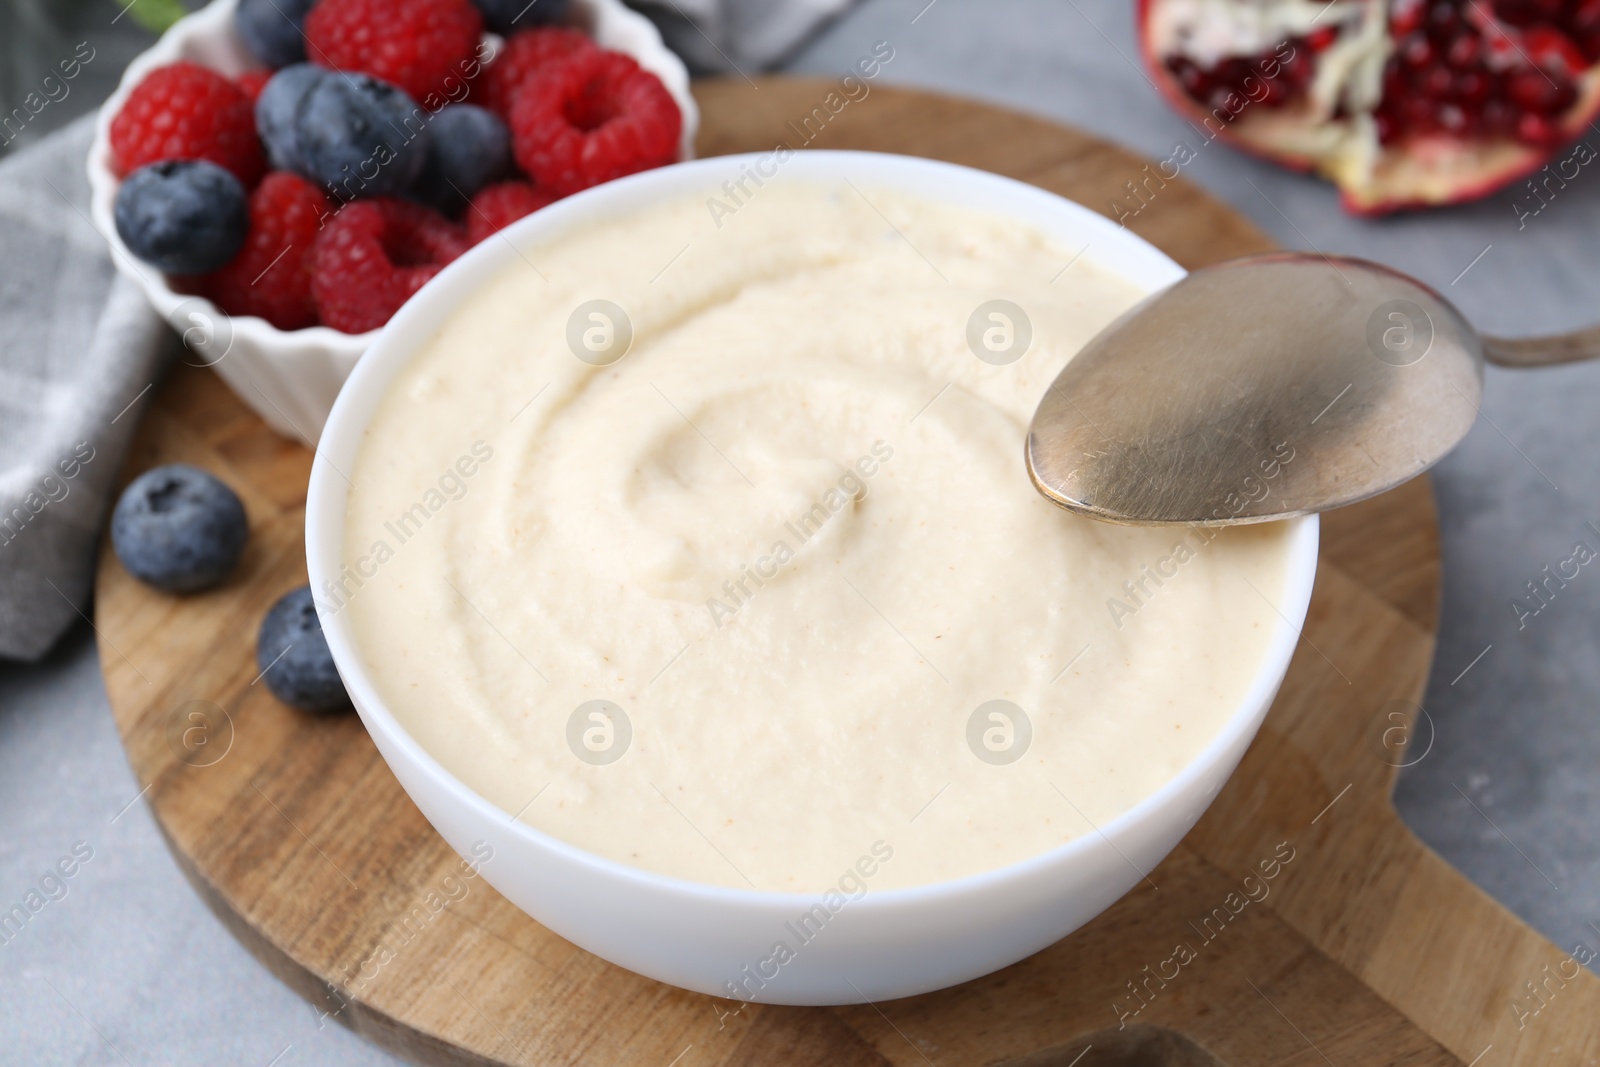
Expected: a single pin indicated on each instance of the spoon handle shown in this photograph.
(1543, 351)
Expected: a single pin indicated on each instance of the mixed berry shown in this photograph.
(183, 216)
(293, 656)
(594, 117)
(179, 529)
(373, 255)
(379, 141)
(182, 530)
(187, 111)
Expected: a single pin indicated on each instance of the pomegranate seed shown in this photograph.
(1298, 71)
(1444, 22)
(1417, 114)
(1416, 51)
(1589, 45)
(1406, 16)
(1464, 51)
(1498, 117)
(1472, 87)
(1276, 95)
(1515, 12)
(1583, 26)
(1551, 50)
(1245, 76)
(1438, 83)
(1232, 73)
(1584, 29)
(1394, 83)
(1536, 129)
(1452, 119)
(1540, 91)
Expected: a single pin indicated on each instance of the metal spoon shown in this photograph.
(1267, 387)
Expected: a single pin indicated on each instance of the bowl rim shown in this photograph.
(214, 22)
(421, 316)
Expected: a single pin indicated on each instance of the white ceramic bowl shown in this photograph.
(888, 943)
(290, 377)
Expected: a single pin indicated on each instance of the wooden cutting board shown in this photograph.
(1363, 948)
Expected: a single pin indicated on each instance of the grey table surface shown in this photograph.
(129, 967)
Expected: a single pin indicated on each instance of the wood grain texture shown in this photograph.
(1364, 949)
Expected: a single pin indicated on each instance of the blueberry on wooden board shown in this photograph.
(179, 528)
(293, 656)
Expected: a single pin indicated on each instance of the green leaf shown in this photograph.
(157, 16)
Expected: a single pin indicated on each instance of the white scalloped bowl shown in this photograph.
(290, 377)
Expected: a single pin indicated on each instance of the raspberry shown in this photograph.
(498, 206)
(185, 111)
(251, 82)
(423, 46)
(271, 276)
(591, 118)
(373, 255)
(525, 54)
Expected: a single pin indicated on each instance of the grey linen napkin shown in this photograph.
(80, 349)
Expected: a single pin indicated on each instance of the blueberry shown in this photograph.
(182, 216)
(292, 655)
(505, 17)
(359, 136)
(273, 30)
(276, 109)
(469, 148)
(178, 528)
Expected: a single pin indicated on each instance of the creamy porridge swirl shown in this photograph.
(772, 591)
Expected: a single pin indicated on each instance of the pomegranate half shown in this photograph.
(1403, 104)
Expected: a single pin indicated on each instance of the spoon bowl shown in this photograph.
(1258, 389)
